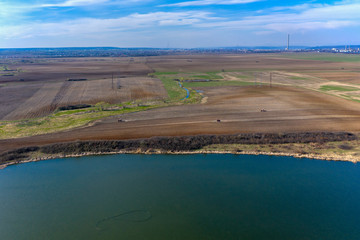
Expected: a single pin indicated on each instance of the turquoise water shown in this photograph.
(180, 197)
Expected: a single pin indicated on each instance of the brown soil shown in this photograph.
(39, 88)
(246, 62)
(38, 83)
(288, 109)
(340, 76)
(238, 108)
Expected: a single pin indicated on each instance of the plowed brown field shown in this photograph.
(39, 88)
(238, 108)
(288, 108)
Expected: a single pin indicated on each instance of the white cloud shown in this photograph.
(209, 2)
(81, 3)
(74, 3)
(301, 7)
(77, 27)
(11, 14)
(321, 17)
(300, 18)
(293, 27)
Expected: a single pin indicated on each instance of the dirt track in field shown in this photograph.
(239, 109)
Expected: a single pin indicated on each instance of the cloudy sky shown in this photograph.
(187, 23)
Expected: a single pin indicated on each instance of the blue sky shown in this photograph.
(184, 24)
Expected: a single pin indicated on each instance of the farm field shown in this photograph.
(43, 85)
(247, 93)
(328, 57)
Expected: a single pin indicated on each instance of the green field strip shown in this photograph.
(338, 88)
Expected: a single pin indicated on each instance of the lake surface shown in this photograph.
(180, 197)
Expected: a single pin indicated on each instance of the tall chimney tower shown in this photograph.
(288, 45)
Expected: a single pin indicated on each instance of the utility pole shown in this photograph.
(112, 81)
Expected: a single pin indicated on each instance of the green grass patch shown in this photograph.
(350, 98)
(59, 121)
(194, 97)
(216, 84)
(175, 92)
(207, 75)
(214, 75)
(30, 123)
(68, 119)
(164, 73)
(201, 76)
(68, 112)
(338, 88)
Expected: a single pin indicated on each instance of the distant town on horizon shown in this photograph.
(133, 52)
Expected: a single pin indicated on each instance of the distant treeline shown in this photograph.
(143, 52)
(121, 52)
(72, 107)
(185, 143)
(77, 79)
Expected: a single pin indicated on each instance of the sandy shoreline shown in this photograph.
(325, 157)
